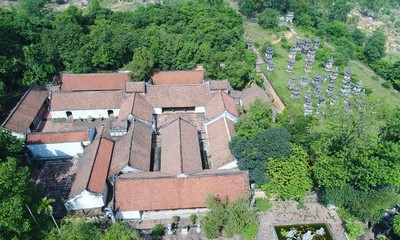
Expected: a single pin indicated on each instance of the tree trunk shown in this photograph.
(55, 223)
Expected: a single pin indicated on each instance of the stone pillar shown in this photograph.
(292, 82)
(317, 43)
(289, 18)
(309, 64)
(334, 75)
(270, 66)
(311, 53)
(281, 20)
(299, 46)
(329, 65)
(304, 81)
(306, 46)
(269, 53)
(292, 54)
(347, 76)
(290, 66)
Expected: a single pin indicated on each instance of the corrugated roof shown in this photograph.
(180, 149)
(57, 137)
(89, 100)
(178, 77)
(94, 81)
(26, 110)
(144, 193)
(219, 135)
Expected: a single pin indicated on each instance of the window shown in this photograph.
(110, 113)
(69, 114)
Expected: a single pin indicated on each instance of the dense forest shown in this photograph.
(37, 43)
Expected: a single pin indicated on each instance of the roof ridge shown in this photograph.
(180, 143)
(95, 156)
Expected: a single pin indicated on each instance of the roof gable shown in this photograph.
(219, 134)
(180, 149)
(133, 149)
(250, 94)
(218, 103)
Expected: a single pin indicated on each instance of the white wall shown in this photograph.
(230, 165)
(168, 214)
(18, 135)
(56, 149)
(85, 200)
(128, 215)
(200, 110)
(83, 114)
(157, 110)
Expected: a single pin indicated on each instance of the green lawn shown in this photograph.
(280, 77)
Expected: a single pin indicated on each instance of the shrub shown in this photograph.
(157, 231)
(354, 229)
(387, 84)
(90, 118)
(263, 204)
(193, 218)
(176, 219)
(396, 225)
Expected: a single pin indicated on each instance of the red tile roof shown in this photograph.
(219, 103)
(219, 135)
(132, 87)
(250, 94)
(136, 105)
(57, 137)
(94, 81)
(219, 85)
(93, 167)
(98, 175)
(84, 167)
(26, 110)
(178, 77)
(133, 149)
(180, 149)
(177, 95)
(90, 100)
(146, 193)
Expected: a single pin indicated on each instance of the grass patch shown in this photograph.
(280, 78)
(262, 204)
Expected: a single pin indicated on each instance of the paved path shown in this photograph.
(286, 213)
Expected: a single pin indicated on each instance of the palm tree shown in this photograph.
(45, 205)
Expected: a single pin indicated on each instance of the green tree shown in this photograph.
(290, 176)
(10, 146)
(141, 65)
(396, 225)
(45, 206)
(121, 231)
(374, 48)
(252, 154)
(256, 119)
(158, 231)
(354, 229)
(268, 19)
(236, 218)
(76, 228)
(358, 36)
